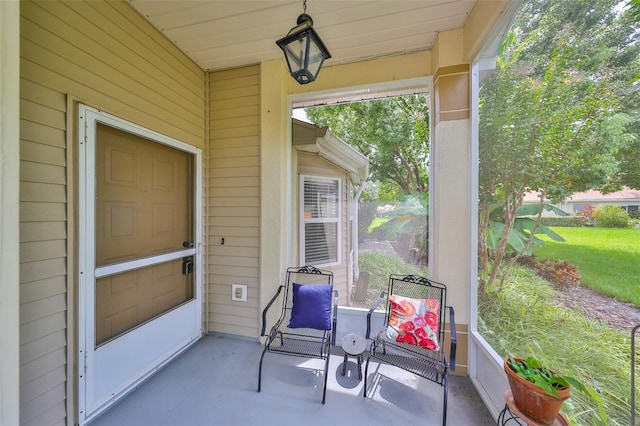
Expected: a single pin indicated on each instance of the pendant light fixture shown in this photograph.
(303, 49)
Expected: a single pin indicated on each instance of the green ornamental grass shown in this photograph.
(525, 319)
(380, 266)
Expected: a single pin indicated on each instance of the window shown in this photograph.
(321, 219)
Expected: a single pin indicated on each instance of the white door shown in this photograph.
(139, 255)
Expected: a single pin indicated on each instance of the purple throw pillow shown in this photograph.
(311, 306)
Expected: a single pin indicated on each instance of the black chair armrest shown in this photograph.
(454, 340)
(264, 312)
(373, 308)
(334, 326)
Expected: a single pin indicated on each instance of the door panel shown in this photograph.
(143, 195)
(127, 360)
(127, 300)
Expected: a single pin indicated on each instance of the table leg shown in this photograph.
(505, 417)
(501, 416)
(344, 364)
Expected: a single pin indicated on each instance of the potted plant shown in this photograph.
(539, 392)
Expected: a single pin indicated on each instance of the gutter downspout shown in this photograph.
(354, 231)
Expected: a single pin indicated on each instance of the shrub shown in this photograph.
(574, 221)
(612, 217)
(561, 272)
(589, 212)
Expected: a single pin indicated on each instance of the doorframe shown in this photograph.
(87, 117)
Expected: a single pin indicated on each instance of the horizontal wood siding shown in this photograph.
(234, 199)
(311, 164)
(105, 55)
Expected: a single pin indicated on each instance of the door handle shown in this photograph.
(187, 244)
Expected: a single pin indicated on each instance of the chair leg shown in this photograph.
(366, 374)
(444, 407)
(326, 376)
(260, 368)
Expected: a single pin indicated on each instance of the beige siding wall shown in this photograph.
(234, 199)
(107, 56)
(310, 164)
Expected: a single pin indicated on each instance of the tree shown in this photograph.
(606, 35)
(556, 91)
(634, 6)
(628, 47)
(410, 225)
(392, 132)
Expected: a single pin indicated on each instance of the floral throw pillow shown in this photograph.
(414, 321)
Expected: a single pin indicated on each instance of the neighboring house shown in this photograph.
(132, 154)
(627, 198)
(330, 178)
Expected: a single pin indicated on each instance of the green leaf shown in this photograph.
(530, 224)
(542, 229)
(493, 233)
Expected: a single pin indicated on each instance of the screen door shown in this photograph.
(139, 257)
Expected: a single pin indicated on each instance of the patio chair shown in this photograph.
(412, 336)
(307, 323)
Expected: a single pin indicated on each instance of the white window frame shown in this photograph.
(303, 221)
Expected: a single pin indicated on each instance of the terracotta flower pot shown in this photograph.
(532, 400)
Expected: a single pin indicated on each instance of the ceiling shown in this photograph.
(221, 34)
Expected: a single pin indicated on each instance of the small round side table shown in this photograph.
(510, 413)
(353, 345)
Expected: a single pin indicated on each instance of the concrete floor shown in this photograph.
(215, 383)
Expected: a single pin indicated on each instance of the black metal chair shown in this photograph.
(409, 339)
(307, 323)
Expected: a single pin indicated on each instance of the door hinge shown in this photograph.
(86, 129)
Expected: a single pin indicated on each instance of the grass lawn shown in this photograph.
(608, 258)
(378, 221)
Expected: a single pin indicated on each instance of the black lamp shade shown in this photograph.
(304, 51)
